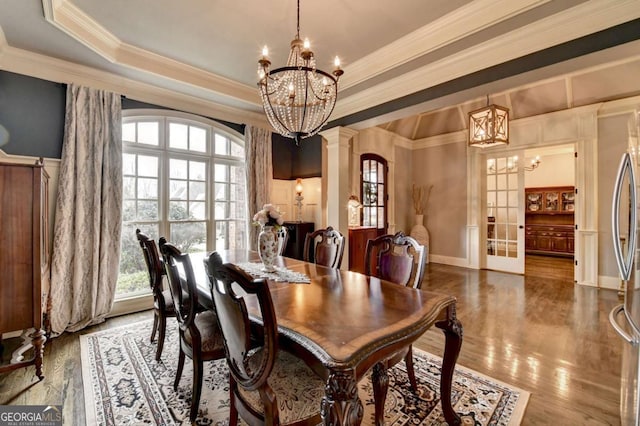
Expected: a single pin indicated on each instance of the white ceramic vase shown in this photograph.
(268, 247)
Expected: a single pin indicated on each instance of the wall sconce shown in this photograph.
(299, 199)
(354, 207)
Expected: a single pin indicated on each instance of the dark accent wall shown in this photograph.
(32, 111)
(291, 161)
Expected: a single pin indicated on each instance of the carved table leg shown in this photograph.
(380, 386)
(452, 329)
(341, 405)
(38, 348)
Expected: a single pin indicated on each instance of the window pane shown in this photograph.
(237, 150)
(236, 175)
(197, 139)
(128, 187)
(178, 189)
(221, 210)
(221, 173)
(237, 234)
(129, 164)
(178, 136)
(148, 133)
(197, 210)
(133, 278)
(148, 188)
(189, 237)
(380, 173)
(147, 166)
(222, 235)
(178, 169)
(221, 191)
(380, 217)
(221, 145)
(178, 210)
(197, 170)
(197, 191)
(128, 210)
(147, 210)
(129, 132)
(236, 193)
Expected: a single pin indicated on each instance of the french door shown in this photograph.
(504, 207)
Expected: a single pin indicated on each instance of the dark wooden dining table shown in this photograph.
(344, 324)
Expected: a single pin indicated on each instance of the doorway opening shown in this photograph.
(550, 211)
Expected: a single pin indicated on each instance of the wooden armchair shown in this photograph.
(283, 239)
(327, 247)
(399, 259)
(267, 386)
(200, 336)
(162, 302)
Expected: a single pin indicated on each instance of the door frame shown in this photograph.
(578, 126)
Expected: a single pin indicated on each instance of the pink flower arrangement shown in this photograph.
(268, 216)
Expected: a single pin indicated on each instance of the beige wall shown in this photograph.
(404, 202)
(554, 170)
(444, 167)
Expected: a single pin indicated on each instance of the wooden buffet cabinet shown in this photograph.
(549, 223)
(24, 282)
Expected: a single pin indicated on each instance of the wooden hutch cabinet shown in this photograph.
(549, 224)
(358, 237)
(24, 284)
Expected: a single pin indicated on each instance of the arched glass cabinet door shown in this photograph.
(373, 191)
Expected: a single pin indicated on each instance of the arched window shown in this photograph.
(373, 191)
(184, 179)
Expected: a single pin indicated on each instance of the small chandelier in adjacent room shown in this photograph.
(489, 126)
(298, 98)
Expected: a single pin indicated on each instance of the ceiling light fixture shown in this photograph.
(489, 126)
(298, 98)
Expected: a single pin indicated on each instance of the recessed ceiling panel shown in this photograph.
(606, 84)
(439, 122)
(540, 99)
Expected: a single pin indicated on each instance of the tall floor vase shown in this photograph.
(268, 247)
(421, 233)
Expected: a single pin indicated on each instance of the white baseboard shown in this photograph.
(131, 305)
(612, 283)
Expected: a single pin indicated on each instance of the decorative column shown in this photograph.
(338, 183)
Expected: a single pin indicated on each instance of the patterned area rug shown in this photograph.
(124, 385)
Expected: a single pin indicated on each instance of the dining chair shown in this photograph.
(400, 259)
(326, 246)
(162, 302)
(283, 239)
(267, 385)
(200, 336)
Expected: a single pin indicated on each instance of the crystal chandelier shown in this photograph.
(298, 98)
(489, 126)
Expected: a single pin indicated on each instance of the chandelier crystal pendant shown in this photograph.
(489, 126)
(298, 98)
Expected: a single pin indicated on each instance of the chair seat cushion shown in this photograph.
(168, 302)
(298, 389)
(210, 333)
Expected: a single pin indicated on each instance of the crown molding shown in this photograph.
(53, 69)
(67, 17)
(579, 21)
(461, 23)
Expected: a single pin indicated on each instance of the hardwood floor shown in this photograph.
(546, 335)
(542, 333)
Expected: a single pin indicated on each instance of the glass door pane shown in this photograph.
(505, 212)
